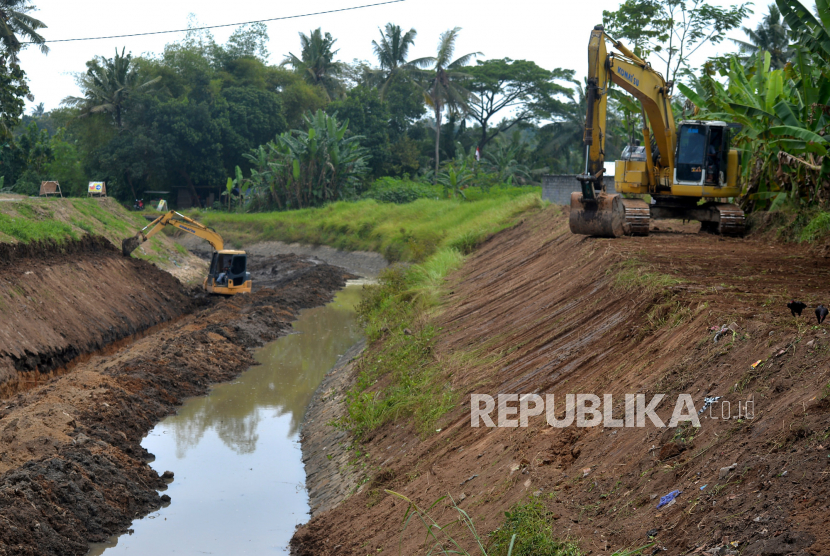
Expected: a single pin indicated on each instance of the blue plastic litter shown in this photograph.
(668, 498)
(707, 402)
(704, 486)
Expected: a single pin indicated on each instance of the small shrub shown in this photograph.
(467, 242)
(816, 228)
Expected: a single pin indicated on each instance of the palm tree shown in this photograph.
(566, 132)
(771, 35)
(316, 61)
(107, 85)
(15, 20)
(506, 157)
(392, 53)
(442, 83)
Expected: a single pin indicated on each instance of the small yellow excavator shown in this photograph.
(228, 273)
(678, 168)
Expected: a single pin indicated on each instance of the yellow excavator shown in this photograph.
(679, 168)
(228, 273)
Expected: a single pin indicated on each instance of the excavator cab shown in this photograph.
(702, 152)
(228, 273)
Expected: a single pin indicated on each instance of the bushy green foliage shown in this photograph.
(368, 117)
(400, 191)
(817, 227)
(308, 167)
(13, 91)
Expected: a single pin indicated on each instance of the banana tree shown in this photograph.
(782, 127)
(455, 180)
(303, 168)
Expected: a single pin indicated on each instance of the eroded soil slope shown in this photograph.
(538, 310)
(58, 302)
(72, 470)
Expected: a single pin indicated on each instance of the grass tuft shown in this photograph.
(529, 524)
(632, 275)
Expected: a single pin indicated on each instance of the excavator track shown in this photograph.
(731, 221)
(637, 217)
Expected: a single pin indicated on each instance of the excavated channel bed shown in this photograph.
(72, 469)
(239, 478)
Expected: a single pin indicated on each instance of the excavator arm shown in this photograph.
(592, 211)
(176, 220)
(634, 75)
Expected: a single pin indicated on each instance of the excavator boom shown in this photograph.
(167, 219)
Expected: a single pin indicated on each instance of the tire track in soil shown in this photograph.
(541, 307)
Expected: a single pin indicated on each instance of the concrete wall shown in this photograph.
(558, 188)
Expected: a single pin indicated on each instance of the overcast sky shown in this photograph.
(552, 33)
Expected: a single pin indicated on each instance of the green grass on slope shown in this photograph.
(408, 232)
(398, 315)
(31, 219)
(34, 219)
(25, 230)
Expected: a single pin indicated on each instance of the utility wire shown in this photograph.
(225, 24)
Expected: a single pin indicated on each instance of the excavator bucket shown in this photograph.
(604, 218)
(130, 244)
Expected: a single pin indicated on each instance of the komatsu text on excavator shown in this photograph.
(678, 168)
(228, 273)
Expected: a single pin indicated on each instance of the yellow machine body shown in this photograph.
(676, 166)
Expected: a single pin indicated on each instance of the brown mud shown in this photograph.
(61, 301)
(547, 312)
(361, 263)
(72, 470)
(326, 455)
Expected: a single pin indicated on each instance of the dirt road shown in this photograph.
(72, 470)
(546, 312)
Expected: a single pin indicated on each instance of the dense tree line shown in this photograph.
(199, 111)
(315, 128)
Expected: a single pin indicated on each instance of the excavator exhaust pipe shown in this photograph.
(131, 244)
(603, 218)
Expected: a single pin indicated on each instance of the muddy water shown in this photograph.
(239, 478)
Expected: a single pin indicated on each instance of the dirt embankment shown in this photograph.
(547, 312)
(73, 470)
(59, 302)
